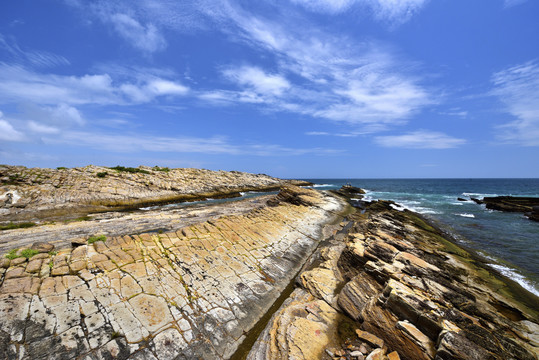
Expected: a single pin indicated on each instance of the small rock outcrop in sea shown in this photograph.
(350, 191)
(527, 205)
(189, 294)
(390, 286)
(35, 193)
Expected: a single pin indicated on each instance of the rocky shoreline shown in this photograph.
(392, 287)
(298, 275)
(30, 194)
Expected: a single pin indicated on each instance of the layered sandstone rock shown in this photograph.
(30, 193)
(189, 294)
(407, 293)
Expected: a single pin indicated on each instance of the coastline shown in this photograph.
(505, 240)
(214, 275)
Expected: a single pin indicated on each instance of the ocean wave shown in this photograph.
(515, 276)
(417, 209)
(457, 203)
(476, 195)
(466, 215)
(321, 185)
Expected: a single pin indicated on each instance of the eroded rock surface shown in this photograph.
(188, 294)
(407, 293)
(33, 193)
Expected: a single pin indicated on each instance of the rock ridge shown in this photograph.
(38, 193)
(189, 294)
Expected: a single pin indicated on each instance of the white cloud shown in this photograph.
(20, 85)
(181, 144)
(511, 3)
(394, 11)
(165, 87)
(8, 132)
(421, 139)
(41, 129)
(258, 80)
(35, 58)
(62, 115)
(144, 37)
(518, 88)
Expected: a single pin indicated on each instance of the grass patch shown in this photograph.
(61, 168)
(53, 253)
(96, 238)
(11, 226)
(12, 254)
(102, 174)
(129, 169)
(28, 253)
(164, 169)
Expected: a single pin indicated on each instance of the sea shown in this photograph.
(508, 242)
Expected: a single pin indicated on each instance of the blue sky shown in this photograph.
(291, 88)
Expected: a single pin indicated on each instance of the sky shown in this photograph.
(290, 88)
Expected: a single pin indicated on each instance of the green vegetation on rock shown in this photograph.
(28, 253)
(164, 169)
(12, 225)
(96, 238)
(129, 169)
(12, 254)
(102, 174)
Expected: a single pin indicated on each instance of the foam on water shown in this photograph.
(466, 215)
(515, 276)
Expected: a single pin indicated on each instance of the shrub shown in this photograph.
(129, 169)
(12, 254)
(102, 174)
(61, 168)
(96, 238)
(164, 169)
(28, 253)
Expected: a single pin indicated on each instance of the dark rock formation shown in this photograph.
(527, 205)
(350, 191)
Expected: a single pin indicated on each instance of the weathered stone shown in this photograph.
(370, 339)
(34, 266)
(18, 261)
(417, 337)
(355, 295)
(42, 247)
(377, 354)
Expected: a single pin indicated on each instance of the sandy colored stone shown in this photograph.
(34, 266)
(18, 261)
(369, 338)
(417, 336)
(151, 311)
(393, 356)
(415, 261)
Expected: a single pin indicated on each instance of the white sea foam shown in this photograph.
(242, 193)
(457, 203)
(513, 275)
(466, 215)
(417, 209)
(477, 195)
(320, 185)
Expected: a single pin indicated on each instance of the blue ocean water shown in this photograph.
(508, 241)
